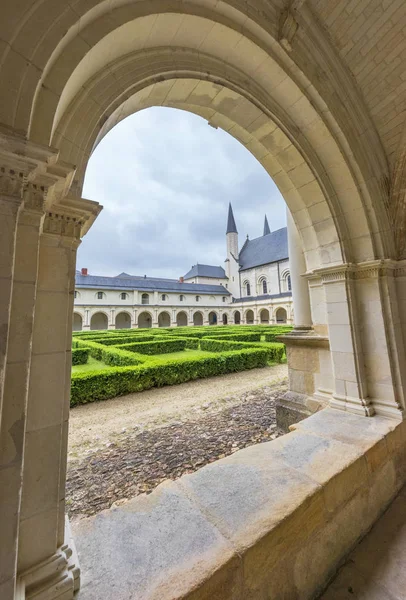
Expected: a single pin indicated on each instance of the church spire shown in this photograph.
(266, 227)
(231, 226)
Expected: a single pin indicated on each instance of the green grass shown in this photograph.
(91, 365)
(184, 354)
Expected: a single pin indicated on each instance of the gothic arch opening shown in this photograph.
(99, 321)
(123, 320)
(213, 318)
(197, 318)
(144, 320)
(249, 317)
(181, 319)
(77, 322)
(264, 316)
(237, 317)
(281, 315)
(164, 319)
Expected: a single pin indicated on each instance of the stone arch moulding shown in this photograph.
(251, 88)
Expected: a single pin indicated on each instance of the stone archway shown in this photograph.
(237, 317)
(123, 320)
(276, 78)
(198, 318)
(281, 315)
(264, 316)
(249, 317)
(99, 321)
(213, 318)
(181, 319)
(225, 319)
(77, 322)
(144, 320)
(164, 319)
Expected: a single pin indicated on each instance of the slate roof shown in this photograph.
(263, 297)
(149, 284)
(206, 271)
(265, 249)
(231, 226)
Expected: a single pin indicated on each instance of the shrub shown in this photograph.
(111, 355)
(80, 356)
(116, 381)
(237, 337)
(115, 340)
(274, 352)
(156, 347)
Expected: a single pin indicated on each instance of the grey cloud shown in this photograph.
(165, 179)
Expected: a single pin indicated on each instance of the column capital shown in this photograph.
(71, 217)
(371, 269)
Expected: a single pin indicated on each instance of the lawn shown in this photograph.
(91, 365)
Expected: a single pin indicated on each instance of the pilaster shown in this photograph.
(42, 520)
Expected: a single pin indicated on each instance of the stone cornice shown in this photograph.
(367, 270)
(71, 217)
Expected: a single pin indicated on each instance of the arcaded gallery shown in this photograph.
(316, 91)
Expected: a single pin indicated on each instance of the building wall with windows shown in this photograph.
(253, 288)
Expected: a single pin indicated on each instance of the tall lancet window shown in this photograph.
(264, 286)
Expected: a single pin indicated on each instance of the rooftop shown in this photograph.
(265, 249)
(206, 271)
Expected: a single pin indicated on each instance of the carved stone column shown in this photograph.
(44, 557)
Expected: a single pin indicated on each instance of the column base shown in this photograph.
(57, 578)
(293, 407)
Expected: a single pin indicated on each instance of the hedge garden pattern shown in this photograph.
(135, 361)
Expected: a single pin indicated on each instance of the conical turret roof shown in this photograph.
(231, 226)
(267, 231)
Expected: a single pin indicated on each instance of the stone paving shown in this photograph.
(139, 461)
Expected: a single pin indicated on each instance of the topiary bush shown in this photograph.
(80, 356)
(275, 352)
(108, 383)
(156, 346)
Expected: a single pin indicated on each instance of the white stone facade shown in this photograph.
(251, 296)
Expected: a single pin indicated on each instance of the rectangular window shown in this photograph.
(100, 295)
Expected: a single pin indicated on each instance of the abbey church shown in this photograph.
(252, 287)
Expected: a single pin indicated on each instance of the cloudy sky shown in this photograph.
(165, 178)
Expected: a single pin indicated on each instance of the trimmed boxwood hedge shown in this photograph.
(111, 355)
(108, 383)
(274, 352)
(155, 347)
(80, 356)
(115, 340)
(237, 337)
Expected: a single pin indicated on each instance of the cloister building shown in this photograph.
(255, 288)
(316, 91)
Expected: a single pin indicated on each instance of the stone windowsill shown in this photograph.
(270, 521)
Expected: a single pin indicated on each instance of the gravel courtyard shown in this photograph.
(127, 446)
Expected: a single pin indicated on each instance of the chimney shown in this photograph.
(181, 280)
(83, 271)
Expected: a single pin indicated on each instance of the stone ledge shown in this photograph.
(274, 520)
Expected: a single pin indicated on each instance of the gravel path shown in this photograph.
(94, 426)
(142, 458)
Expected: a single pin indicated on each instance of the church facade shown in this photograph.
(253, 287)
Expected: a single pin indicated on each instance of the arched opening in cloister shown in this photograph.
(77, 322)
(264, 316)
(225, 319)
(249, 317)
(123, 320)
(99, 321)
(212, 318)
(164, 319)
(237, 317)
(144, 320)
(281, 315)
(276, 82)
(197, 318)
(181, 319)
